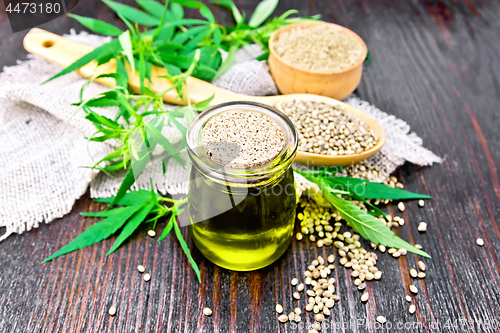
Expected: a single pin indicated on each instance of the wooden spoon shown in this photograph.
(64, 52)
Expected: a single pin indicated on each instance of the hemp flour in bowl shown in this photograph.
(317, 58)
(318, 49)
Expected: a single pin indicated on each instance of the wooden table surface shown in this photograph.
(435, 64)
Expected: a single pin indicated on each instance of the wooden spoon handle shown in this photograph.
(64, 52)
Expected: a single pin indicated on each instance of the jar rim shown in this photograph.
(208, 167)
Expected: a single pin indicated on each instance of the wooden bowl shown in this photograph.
(336, 84)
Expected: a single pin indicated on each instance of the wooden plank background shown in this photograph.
(436, 65)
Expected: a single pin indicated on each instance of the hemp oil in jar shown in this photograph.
(242, 198)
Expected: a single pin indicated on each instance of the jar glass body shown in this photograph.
(241, 219)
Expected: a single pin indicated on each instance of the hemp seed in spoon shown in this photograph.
(327, 129)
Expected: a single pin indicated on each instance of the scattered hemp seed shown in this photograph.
(401, 206)
(296, 295)
(408, 298)
(421, 275)
(300, 287)
(421, 203)
(151, 233)
(421, 265)
(207, 312)
(413, 273)
(112, 311)
(294, 281)
(298, 311)
(283, 318)
(147, 277)
(412, 308)
(413, 289)
(298, 236)
(279, 308)
(480, 242)
(312, 330)
(381, 319)
(291, 316)
(422, 227)
(141, 269)
(418, 246)
(364, 297)
(319, 317)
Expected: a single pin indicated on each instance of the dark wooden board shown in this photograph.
(436, 65)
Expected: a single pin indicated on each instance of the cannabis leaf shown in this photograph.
(99, 52)
(263, 10)
(230, 5)
(372, 190)
(362, 222)
(101, 230)
(185, 248)
(167, 229)
(133, 14)
(126, 44)
(138, 205)
(132, 224)
(97, 26)
(368, 226)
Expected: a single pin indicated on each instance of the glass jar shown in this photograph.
(241, 219)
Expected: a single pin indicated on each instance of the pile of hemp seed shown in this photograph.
(323, 226)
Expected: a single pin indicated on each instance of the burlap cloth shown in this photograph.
(44, 153)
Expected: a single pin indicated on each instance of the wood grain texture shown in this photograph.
(436, 65)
